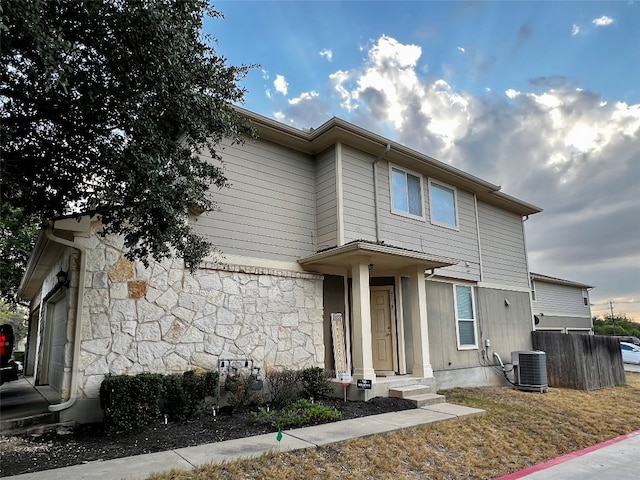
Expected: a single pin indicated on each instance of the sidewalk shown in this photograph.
(141, 466)
(618, 458)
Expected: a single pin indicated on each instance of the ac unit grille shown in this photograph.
(531, 369)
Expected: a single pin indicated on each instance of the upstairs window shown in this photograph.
(406, 193)
(585, 297)
(465, 317)
(444, 208)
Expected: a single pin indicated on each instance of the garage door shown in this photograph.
(58, 342)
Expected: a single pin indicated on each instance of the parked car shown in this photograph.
(628, 339)
(630, 353)
(9, 368)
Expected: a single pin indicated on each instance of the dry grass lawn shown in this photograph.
(519, 429)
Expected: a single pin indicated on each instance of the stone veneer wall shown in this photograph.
(163, 319)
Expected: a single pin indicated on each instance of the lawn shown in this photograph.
(520, 429)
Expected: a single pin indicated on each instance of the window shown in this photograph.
(406, 192)
(533, 290)
(444, 211)
(465, 317)
(585, 297)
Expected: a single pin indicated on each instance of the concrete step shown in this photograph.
(25, 424)
(409, 391)
(426, 399)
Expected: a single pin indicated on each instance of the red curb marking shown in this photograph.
(567, 457)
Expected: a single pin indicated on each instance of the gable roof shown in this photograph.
(558, 281)
(314, 141)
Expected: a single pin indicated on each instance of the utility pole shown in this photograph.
(613, 319)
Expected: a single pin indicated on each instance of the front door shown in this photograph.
(382, 337)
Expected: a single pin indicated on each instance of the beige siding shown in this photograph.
(553, 322)
(443, 348)
(563, 300)
(503, 250)
(402, 231)
(270, 209)
(422, 236)
(357, 187)
(507, 328)
(326, 202)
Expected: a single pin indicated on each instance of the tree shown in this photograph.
(623, 326)
(17, 236)
(105, 106)
(16, 318)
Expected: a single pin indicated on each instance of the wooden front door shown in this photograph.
(382, 337)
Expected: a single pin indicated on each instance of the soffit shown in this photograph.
(384, 259)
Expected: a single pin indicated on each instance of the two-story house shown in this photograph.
(341, 249)
(560, 305)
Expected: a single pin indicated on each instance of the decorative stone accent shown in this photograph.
(137, 288)
(167, 320)
(122, 271)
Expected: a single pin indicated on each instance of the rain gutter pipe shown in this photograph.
(78, 322)
(375, 188)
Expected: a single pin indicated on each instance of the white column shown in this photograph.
(361, 315)
(421, 359)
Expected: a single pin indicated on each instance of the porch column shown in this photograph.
(361, 315)
(421, 359)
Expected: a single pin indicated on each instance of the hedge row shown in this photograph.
(132, 402)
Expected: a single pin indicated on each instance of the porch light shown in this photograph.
(63, 281)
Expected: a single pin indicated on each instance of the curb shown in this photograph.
(566, 457)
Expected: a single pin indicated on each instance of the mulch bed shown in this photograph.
(86, 443)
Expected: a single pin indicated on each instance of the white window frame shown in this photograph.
(458, 320)
(401, 212)
(455, 205)
(585, 297)
(533, 289)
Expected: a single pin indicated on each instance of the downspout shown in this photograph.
(375, 189)
(526, 259)
(78, 322)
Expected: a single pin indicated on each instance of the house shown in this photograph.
(341, 249)
(560, 305)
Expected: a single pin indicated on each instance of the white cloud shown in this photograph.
(563, 148)
(461, 49)
(302, 97)
(281, 84)
(328, 54)
(339, 79)
(602, 21)
(265, 74)
(575, 30)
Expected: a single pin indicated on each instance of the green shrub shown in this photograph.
(131, 402)
(174, 397)
(241, 394)
(298, 414)
(315, 383)
(283, 387)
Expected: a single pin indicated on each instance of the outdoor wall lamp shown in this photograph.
(63, 280)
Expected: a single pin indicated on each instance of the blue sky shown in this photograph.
(542, 98)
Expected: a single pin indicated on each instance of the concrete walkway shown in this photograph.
(617, 459)
(141, 466)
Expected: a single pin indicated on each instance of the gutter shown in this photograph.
(375, 189)
(78, 321)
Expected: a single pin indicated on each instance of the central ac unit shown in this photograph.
(530, 370)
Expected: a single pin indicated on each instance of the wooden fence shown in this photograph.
(581, 362)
